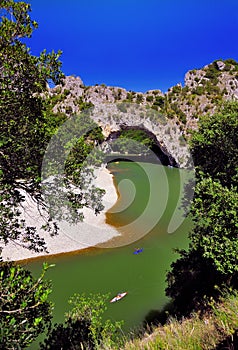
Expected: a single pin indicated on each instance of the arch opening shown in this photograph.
(159, 152)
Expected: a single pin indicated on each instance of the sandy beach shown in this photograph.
(92, 231)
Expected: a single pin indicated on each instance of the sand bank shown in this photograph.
(92, 231)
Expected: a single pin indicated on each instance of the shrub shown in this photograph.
(149, 98)
(199, 90)
(176, 89)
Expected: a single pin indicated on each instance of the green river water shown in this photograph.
(113, 270)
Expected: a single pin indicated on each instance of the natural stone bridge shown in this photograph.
(171, 147)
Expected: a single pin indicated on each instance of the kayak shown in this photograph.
(118, 297)
(138, 251)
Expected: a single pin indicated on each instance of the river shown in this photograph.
(143, 190)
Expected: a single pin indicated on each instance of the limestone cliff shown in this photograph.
(202, 92)
(170, 116)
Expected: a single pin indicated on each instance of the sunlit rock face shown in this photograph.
(170, 116)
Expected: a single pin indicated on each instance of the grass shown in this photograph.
(194, 333)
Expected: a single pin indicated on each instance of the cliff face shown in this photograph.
(169, 116)
(202, 92)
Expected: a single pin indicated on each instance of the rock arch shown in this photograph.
(159, 152)
(171, 144)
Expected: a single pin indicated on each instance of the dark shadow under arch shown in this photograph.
(160, 152)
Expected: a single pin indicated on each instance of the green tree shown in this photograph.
(25, 128)
(214, 146)
(215, 215)
(73, 335)
(80, 150)
(68, 169)
(85, 327)
(25, 310)
(211, 260)
(92, 309)
(192, 281)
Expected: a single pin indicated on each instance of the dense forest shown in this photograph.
(202, 282)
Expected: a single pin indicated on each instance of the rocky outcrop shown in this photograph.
(111, 118)
(180, 106)
(203, 90)
(222, 74)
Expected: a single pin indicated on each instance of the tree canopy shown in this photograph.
(25, 128)
(85, 326)
(214, 146)
(215, 216)
(213, 239)
(25, 311)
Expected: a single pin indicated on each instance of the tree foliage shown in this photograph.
(25, 128)
(80, 149)
(215, 215)
(25, 311)
(211, 260)
(214, 146)
(134, 141)
(85, 327)
(73, 335)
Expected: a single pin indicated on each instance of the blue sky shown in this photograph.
(136, 44)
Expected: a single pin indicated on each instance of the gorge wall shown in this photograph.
(169, 116)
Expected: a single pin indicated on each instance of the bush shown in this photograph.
(159, 101)
(199, 90)
(149, 98)
(212, 72)
(139, 98)
(176, 89)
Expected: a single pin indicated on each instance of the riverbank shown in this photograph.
(92, 231)
(216, 329)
